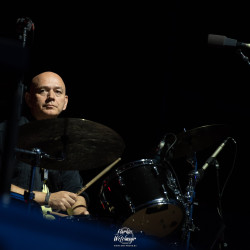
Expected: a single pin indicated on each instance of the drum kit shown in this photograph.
(143, 195)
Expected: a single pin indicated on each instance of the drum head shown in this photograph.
(158, 219)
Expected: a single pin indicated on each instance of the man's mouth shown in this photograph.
(49, 106)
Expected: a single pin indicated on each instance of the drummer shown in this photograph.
(46, 98)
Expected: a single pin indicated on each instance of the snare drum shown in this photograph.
(137, 194)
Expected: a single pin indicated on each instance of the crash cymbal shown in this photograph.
(198, 139)
(71, 143)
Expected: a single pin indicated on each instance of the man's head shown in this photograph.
(47, 96)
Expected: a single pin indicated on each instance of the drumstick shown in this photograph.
(98, 176)
(69, 210)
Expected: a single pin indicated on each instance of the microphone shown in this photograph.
(223, 41)
(159, 149)
(210, 160)
(24, 25)
(163, 149)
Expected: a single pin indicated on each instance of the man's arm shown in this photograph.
(61, 200)
(39, 196)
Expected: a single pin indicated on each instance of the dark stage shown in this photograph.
(146, 71)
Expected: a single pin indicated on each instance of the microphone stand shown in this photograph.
(220, 235)
(213, 161)
(245, 58)
(8, 161)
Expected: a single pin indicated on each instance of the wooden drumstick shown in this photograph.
(70, 211)
(98, 176)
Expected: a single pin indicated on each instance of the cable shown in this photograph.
(233, 165)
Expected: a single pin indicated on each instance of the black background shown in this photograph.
(145, 70)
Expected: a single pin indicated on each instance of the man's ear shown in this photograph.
(66, 102)
(27, 97)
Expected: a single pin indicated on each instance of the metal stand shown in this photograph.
(220, 237)
(244, 58)
(7, 164)
(30, 195)
(189, 197)
(38, 154)
(195, 176)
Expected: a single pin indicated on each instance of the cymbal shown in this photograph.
(70, 143)
(199, 139)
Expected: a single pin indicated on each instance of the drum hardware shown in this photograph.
(156, 170)
(171, 183)
(189, 196)
(183, 145)
(34, 157)
(131, 206)
(164, 191)
(194, 177)
(29, 195)
(121, 181)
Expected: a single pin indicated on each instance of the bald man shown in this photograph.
(46, 99)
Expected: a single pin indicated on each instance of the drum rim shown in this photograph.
(134, 164)
(159, 201)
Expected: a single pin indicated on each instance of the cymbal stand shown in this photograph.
(29, 195)
(189, 197)
(35, 163)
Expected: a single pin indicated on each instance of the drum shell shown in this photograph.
(140, 187)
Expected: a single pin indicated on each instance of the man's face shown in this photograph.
(47, 97)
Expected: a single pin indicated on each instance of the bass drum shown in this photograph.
(137, 195)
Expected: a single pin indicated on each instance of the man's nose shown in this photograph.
(51, 94)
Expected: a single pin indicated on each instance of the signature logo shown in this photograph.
(125, 236)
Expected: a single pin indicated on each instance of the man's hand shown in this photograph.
(80, 206)
(62, 200)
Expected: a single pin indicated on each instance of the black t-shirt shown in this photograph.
(58, 180)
